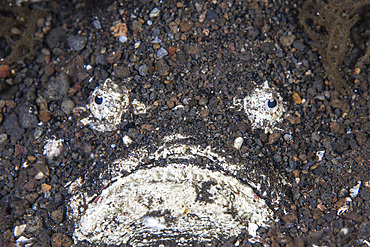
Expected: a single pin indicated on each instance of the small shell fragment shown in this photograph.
(320, 155)
(126, 140)
(53, 148)
(353, 192)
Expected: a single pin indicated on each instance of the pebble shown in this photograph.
(238, 142)
(136, 26)
(277, 157)
(161, 53)
(173, 27)
(287, 40)
(112, 7)
(296, 98)
(61, 240)
(16, 31)
(45, 116)
(77, 42)
(3, 138)
(162, 67)
(37, 133)
(13, 128)
(58, 87)
(204, 112)
(49, 70)
(241, 126)
(154, 13)
(203, 101)
(273, 138)
(67, 106)
(122, 39)
(147, 127)
(26, 118)
(31, 185)
(31, 158)
(18, 230)
(143, 70)
(212, 16)
(121, 72)
(114, 57)
(320, 97)
(11, 104)
(5, 71)
(96, 24)
(58, 216)
(45, 51)
(170, 104)
(288, 137)
(39, 170)
(315, 137)
(361, 138)
(337, 128)
(186, 26)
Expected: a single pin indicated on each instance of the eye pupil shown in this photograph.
(272, 103)
(98, 100)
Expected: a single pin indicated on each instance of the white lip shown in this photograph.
(173, 192)
(169, 201)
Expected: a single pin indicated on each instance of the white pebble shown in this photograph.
(122, 39)
(161, 53)
(18, 230)
(238, 142)
(96, 24)
(53, 148)
(126, 140)
(137, 44)
(154, 13)
(320, 155)
(353, 192)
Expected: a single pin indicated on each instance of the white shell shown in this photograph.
(178, 203)
(258, 111)
(107, 115)
(53, 148)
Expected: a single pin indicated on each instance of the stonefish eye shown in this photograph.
(98, 100)
(272, 103)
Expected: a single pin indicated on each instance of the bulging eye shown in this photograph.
(98, 100)
(272, 103)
